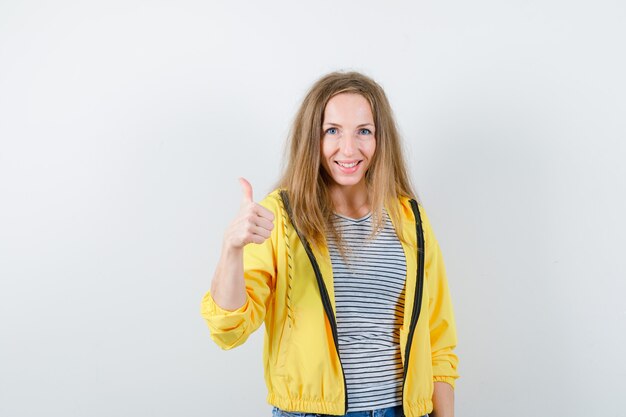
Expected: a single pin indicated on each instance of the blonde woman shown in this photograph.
(341, 264)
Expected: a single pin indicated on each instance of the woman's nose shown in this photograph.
(348, 145)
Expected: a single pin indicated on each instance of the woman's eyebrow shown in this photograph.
(337, 124)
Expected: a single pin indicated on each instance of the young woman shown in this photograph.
(342, 266)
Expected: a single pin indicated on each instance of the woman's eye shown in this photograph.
(366, 132)
(332, 130)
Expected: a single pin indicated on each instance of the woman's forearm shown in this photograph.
(443, 400)
(228, 287)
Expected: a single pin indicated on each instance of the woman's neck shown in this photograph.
(350, 201)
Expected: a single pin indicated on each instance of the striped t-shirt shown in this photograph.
(369, 299)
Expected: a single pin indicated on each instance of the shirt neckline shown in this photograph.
(354, 220)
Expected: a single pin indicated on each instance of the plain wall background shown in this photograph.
(125, 124)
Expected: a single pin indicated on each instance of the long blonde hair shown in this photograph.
(304, 177)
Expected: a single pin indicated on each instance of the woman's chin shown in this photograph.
(347, 182)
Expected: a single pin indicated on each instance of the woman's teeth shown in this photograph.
(348, 165)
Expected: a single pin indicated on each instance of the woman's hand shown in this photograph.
(253, 224)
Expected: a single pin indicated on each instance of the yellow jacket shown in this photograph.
(303, 371)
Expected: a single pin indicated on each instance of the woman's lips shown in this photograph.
(348, 170)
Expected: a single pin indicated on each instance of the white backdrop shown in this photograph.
(125, 124)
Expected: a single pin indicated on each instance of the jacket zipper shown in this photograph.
(419, 286)
(323, 292)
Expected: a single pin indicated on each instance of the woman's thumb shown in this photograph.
(247, 190)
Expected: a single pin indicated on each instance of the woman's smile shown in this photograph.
(348, 167)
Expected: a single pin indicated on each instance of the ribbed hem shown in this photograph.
(417, 408)
(411, 409)
(306, 406)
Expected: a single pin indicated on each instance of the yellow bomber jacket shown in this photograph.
(290, 288)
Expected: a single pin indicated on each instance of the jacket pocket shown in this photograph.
(403, 338)
(283, 348)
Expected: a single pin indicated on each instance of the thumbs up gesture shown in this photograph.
(253, 224)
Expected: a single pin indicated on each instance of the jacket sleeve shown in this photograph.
(230, 329)
(443, 338)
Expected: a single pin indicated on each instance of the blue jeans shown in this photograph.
(382, 412)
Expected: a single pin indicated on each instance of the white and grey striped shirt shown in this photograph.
(369, 299)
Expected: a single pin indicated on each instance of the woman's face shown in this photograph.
(348, 139)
